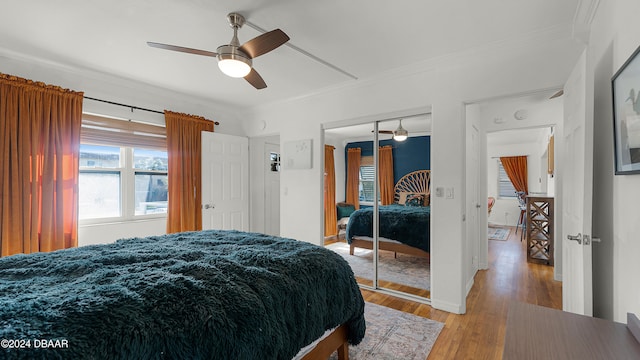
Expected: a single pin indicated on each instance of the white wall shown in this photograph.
(446, 86)
(110, 232)
(616, 219)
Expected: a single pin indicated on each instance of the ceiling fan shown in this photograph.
(236, 60)
(399, 134)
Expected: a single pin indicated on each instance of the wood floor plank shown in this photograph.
(479, 334)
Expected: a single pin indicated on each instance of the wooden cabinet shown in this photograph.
(539, 235)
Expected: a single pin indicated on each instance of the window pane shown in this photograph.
(99, 195)
(367, 177)
(144, 159)
(505, 187)
(97, 156)
(151, 193)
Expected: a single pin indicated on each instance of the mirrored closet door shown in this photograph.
(404, 205)
(382, 202)
(353, 184)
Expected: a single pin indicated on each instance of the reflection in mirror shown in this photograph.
(348, 185)
(399, 259)
(404, 205)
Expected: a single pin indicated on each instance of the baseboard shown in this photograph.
(448, 307)
(557, 277)
(633, 324)
(469, 286)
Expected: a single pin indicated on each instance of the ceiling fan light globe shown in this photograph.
(233, 62)
(234, 68)
(400, 136)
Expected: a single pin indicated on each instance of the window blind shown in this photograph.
(101, 130)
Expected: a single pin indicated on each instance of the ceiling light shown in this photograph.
(233, 62)
(400, 134)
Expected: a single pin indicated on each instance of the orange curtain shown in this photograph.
(184, 148)
(330, 212)
(516, 169)
(39, 152)
(353, 177)
(385, 171)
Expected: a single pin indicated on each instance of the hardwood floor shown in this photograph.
(479, 334)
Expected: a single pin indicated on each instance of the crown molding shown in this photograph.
(585, 12)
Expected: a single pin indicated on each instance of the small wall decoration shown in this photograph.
(625, 85)
(297, 154)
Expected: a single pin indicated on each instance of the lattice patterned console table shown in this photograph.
(539, 234)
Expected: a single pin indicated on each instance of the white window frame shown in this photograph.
(127, 189)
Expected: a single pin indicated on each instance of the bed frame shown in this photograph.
(418, 181)
(386, 244)
(336, 340)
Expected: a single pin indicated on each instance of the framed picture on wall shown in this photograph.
(625, 86)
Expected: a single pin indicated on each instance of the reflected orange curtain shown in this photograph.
(516, 169)
(353, 177)
(330, 212)
(385, 171)
(184, 149)
(39, 154)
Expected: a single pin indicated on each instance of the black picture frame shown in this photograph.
(625, 87)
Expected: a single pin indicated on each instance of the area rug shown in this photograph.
(496, 233)
(393, 334)
(404, 269)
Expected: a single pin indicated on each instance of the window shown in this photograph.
(505, 187)
(366, 188)
(123, 169)
(150, 172)
(99, 182)
(121, 182)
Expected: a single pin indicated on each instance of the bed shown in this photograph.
(209, 294)
(404, 226)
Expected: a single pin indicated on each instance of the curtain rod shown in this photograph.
(131, 106)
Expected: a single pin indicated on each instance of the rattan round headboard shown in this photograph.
(418, 181)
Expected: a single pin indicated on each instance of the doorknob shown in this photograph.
(478, 206)
(594, 239)
(208, 206)
(577, 238)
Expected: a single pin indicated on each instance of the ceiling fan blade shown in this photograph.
(182, 49)
(390, 132)
(255, 79)
(559, 93)
(264, 43)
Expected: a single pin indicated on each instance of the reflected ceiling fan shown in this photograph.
(399, 134)
(236, 60)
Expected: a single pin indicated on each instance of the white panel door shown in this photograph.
(577, 183)
(225, 182)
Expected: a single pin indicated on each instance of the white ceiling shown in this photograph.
(358, 36)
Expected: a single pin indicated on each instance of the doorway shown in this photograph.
(511, 126)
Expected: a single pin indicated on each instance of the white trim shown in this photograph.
(447, 306)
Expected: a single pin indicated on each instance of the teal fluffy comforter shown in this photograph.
(410, 225)
(196, 295)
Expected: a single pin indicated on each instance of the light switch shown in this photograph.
(449, 193)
